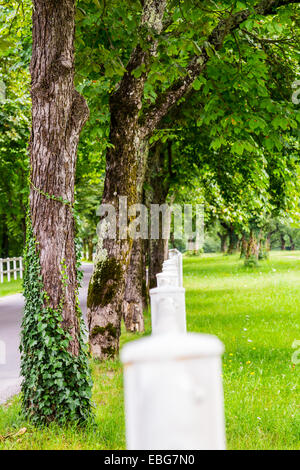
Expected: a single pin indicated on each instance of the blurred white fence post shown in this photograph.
(2, 353)
(175, 254)
(168, 309)
(173, 385)
(173, 393)
(15, 270)
(167, 279)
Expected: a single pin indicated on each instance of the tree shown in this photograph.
(56, 383)
(125, 170)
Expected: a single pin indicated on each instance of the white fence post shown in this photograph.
(8, 269)
(21, 267)
(168, 309)
(177, 255)
(173, 385)
(173, 393)
(15, 270)
(2, 353)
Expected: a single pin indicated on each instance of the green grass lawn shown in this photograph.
(256, 313)
(12, 287)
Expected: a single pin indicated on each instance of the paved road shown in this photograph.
(11, 308)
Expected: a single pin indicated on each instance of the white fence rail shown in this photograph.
(14, 267)
(173, 384)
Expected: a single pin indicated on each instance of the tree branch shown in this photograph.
(130, 89)
(198, 63)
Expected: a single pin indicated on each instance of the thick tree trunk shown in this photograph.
(292, 243)
(244, 245)
(233, 240)
(125, 169)
(108, 282)
(223, 241)
(90, 248)
(84, 248)
(160, 170)
(282, 242)
(252, 250)
(58, 114)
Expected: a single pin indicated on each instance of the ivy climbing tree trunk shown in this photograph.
(52, 318)
(58, 114)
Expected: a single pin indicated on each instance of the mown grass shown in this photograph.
(12, 287)
(256, 313)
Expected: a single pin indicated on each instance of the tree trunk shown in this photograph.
(292, 243)
(133, 299)
(90, 248)
(252, 248)
(158, 254)
(159, 182)
(244, 244)
(58, 115)
(282, 242)
(108, 282)
(5, 239)
(233, 240)
(145, 286)
(223, 240)
(84, 248)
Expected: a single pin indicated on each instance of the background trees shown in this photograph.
(189, 45)
(15, 45)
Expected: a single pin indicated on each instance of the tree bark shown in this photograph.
(223, 241)
(252, 247)
(90, 248)
(160, 171)
(233, 240)
(292, 243)
(58, 115)
(125, 170)
(244, 245)
(282, 242)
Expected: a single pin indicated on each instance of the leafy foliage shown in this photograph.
(56, 385)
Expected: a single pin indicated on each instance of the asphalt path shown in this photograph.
(11, 310)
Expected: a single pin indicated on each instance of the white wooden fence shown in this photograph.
(14, 266)
(173, 384)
